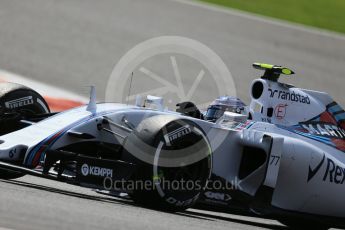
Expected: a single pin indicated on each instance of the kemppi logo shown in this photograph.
(87, 170)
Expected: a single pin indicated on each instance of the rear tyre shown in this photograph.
(180, 165)
(17, 101)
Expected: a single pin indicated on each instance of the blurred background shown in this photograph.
(73, 44)
(324, 14)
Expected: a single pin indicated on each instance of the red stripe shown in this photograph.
(328, 117)
(37, 157)
(57, 104)
(35, 161)
(60, 104)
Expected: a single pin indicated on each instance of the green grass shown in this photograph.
(326, 14)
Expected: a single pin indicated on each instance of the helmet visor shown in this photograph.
(214, 113)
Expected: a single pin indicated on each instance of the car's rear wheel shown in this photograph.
(17, 101)
(178, 165)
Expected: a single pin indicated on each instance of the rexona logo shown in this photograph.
(334, 173)
(176, 134)
(20, 102)
(87, 170)
(289, 96)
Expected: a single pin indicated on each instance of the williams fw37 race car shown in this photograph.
(281, 157)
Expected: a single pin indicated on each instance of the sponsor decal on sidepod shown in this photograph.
(289, 96)
(333, 173)
(325, 130)
(87, 170)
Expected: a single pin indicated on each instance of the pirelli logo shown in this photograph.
(176, 134)
(20, 102)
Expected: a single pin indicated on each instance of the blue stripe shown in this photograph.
(30, 158)
(250, 125)
(325, 141)
(335, 108)
(317, 119)
(340, 116)
(34, 152)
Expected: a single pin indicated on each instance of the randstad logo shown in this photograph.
(289, 96)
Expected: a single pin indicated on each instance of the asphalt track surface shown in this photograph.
(71, 44)
(32, 203)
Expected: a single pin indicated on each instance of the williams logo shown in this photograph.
(333, 173)
(87, 170)
(20, 102)
(176, 134)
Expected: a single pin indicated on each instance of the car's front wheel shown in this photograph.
(16, 102)
(177, 164)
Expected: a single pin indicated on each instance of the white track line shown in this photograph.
(42, 88)
(264, 19)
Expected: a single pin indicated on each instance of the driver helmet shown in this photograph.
(224, 104)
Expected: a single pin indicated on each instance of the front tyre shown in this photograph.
(17, 101)
(177, 163)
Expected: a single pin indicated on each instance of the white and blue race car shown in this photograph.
(284, 159)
